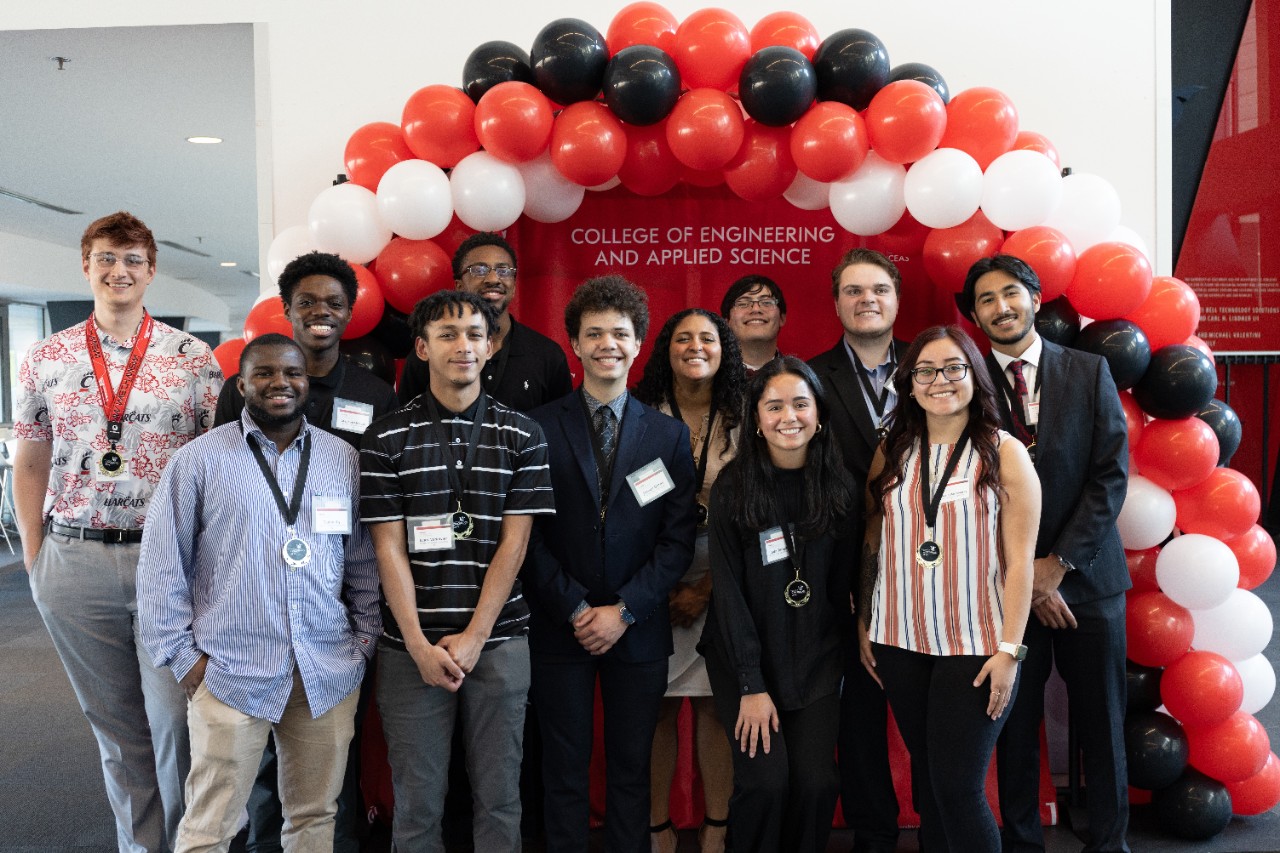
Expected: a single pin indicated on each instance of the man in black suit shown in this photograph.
(857, 373)
(599, 570)
(1063, 404)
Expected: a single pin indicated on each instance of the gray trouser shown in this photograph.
(85, 593)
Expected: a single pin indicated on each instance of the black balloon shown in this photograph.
(393, 332)
(1179, 382)
(1144, 687)
(492, 63)
(641, 84)
(568, 59)
(369, 353)
(851, 66)
(925, 74)
(1225, 423)
(1122, 344)
(1156, 750)
(1194, 806)
(1057, 321)
(777, 86)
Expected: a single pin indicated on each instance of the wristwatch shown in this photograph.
(627, 617)
(1015, 650)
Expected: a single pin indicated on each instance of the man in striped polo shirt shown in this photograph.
(450, 485)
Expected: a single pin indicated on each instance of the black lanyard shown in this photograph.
(706, 443)
(933, 501)
(461, 467)
(288, 511)
(1010, 405)
(877, 403)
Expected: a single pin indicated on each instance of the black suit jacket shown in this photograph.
(851, 421)
(1082, 457)
(637, 554)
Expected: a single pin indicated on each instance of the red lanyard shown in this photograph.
(114, 400)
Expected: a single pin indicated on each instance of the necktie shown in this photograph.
(606, 429)
(1019, 411)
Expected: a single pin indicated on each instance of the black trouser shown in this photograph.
(867, 798)
(783, 800)
(944, 723)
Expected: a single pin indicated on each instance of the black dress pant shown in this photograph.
(867, 797)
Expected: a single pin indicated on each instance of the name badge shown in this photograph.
(650, 482)
(1033, 413)
(330, 514)
(955, 490)
(773, 546)
(430, 533)
(350, 416)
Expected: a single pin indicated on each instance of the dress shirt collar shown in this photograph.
(1031, 355)
(618, 404)
(249, 428)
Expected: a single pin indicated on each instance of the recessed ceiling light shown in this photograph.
(204, 140)
(228, 264)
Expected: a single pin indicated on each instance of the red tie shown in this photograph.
(1019, 412)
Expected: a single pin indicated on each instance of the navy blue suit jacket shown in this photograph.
(637, 554)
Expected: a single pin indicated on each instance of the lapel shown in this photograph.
(627, 457)
(842, 381)
(1002, 401)
(573, 421)
(1053, 370)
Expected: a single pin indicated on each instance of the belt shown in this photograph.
(105, 535)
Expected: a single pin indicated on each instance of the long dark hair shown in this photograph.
(909, 425)
(657, 385)
(751, 478)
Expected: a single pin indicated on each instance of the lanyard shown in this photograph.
(877, 403)
(706, 443)
(288, 511)
(461, 467)
(115, 400)
(1009, 403)
(933, 501)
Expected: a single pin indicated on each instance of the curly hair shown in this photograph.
(317, 263)
(657, 385)
(451, 302)
(475, 241)
(608, 293)
(119, 229)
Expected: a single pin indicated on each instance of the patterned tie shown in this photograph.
(607, 429)
(1019, 412)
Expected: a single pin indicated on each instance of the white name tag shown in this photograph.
(650, 482)
(330, 514)
(955, 490)
(1033, 413)
(350, 416)
(430, 533)
(773, 545)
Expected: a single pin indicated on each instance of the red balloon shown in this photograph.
(1255, 551)
(1111, 280)
(1177, 454)
(1260, 792)
(1142, 570)
(1201, 688)
(711, 47)
(763, 168)
(372, 150)
(408, 270)
(829, 142)
(439, 125)
(1047, 251)
(949, 252)
(1159, 629)
(649, 168)
(786, 29)
(1199, 344)
(1230, 751)
(1135, 419)
(588, 144)
(267, 317)
(453, 235)
(513, 121)
(705, 129)
(981, 122)
(1029, 140)
(368, 307)
(642, 23)
(1170, 313)
(905, 120)
(227, 354)
(1223, 505)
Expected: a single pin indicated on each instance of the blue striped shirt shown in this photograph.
(212, 579)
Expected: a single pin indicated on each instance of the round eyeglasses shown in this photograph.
(927, 375)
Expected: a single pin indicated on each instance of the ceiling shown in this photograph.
(108, 132)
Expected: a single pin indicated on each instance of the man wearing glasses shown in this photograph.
(104, 406)
(527, 369)
(756, 311)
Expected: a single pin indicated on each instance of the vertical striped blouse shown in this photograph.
(956, 608)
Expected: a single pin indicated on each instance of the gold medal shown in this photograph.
(929, 554)
(111, 463)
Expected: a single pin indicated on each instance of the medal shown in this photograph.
(460, 521)
(702, 516)
(463, 525)
(796, 592)
(701, 470)
(296, 552)
(111, 463)
(929, 554)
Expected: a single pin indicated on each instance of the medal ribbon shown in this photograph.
(461, 467)
(877, 403)
(114, 400)
(706, 443)
(933, 501)
(288, 511)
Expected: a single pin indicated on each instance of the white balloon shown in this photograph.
(808, 194)
(548, 195)
(1088, 211)
(1020, 189)
(607, 185)
(414, 199)
(290, 243)
(870, 201)
(1125, 234)
(488, 194)
(1259, 678)
(1197, 571)
(1238, 628)
(344, 220)
(943, 188)
(1148, 514)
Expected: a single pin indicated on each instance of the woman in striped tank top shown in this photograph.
(954, 505)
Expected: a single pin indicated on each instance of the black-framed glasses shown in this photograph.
(107, 260)
(928, 375)
(746, 303)
(481, 270)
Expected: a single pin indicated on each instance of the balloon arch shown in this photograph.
(775, 111)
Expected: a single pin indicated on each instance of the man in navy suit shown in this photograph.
(1063, 404)
(598, 572)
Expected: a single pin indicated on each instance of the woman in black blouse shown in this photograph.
(785, 525)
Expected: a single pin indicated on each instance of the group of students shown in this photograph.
(785, 544)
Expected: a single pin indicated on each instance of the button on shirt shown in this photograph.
(212, 579)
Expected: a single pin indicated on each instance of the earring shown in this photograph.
(759, 433)
(818, 430)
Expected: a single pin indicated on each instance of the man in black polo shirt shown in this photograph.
(449, 487)
(527, 369)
